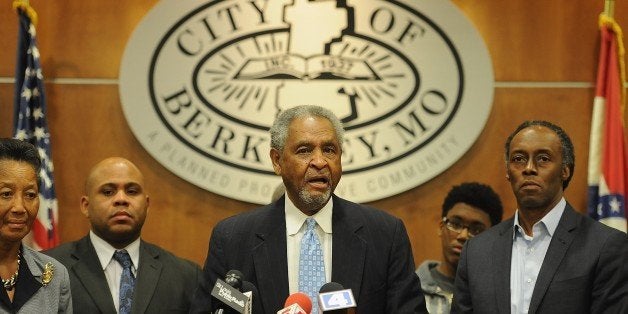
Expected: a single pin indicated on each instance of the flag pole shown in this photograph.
(607, 20)
(609, 8)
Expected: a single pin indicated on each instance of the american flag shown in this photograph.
(608, 154)
(30, 124)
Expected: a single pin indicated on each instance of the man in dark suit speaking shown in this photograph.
(547, 258)
(112, 269)
(310, 236)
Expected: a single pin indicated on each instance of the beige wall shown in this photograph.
(533, 44)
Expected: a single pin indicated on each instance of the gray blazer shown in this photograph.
(51, 297)
(585, 270)
(165, 282)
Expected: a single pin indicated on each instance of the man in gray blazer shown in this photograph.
(547, 258)
(361, 248)
(116, 204)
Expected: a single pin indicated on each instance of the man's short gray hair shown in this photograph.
(279, 130)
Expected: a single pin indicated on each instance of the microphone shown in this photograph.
(334, 298)
(330, 286)
(227, 292)
(297, 303)
(234, 279)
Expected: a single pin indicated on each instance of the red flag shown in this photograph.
(608, 165)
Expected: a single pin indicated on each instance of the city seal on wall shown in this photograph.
(202, 81)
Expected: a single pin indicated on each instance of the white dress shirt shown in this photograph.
(528, 253)
(295, 228)
(111, 267)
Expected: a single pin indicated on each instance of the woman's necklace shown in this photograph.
(9, 284)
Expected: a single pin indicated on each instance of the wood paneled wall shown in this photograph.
(529, 42)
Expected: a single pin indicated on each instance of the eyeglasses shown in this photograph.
(457, 227)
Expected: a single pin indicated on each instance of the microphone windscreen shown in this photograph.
(301, 299)
(249, 286)
(234, 278)
(331, 286)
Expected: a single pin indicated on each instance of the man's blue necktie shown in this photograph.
(311, 265)
(127, 281)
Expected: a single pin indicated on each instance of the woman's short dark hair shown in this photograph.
(17, 150)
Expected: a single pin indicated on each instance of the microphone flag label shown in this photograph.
(292, 309)
(229, 296)
(335, 300)
(248, 307)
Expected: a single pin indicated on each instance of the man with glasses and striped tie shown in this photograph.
(468, 209)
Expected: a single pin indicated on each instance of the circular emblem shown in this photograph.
(201, 84)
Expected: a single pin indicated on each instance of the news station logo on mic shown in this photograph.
(231, 297)
(202, 82)
(336, 300)
(293, 309)
(229, 294)
(297, 303)
(333, 296)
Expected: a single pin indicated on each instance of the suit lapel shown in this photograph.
(502, 251)
(29, 279)
(89, 272)
(270, 257)
(149, 271)
(348, 250)
(563, 236)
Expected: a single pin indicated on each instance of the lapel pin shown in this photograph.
(46, 277)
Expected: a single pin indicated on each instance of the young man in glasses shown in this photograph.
(468, 209)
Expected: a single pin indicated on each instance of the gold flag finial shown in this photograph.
(26, 7)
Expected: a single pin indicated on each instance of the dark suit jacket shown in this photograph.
(585, 270)
(165, 283)
(371, 255)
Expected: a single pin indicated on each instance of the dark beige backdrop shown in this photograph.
(544, 57)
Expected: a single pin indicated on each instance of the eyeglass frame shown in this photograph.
(451, 227)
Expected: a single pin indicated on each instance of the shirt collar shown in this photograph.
(105, 251)
(295, 217)
(550, 220)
